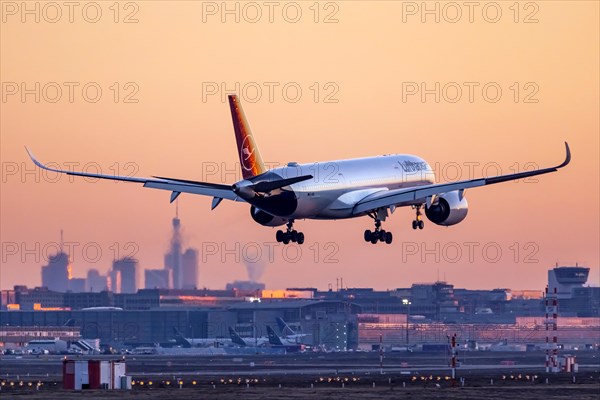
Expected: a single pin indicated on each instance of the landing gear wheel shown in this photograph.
(378, 234)
(290, 234)
(279, 236)
(421, 224)
(414, 224)
(388, 237)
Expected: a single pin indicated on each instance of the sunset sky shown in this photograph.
(162, 111)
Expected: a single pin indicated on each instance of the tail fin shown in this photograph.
(235, 338)
(273, 338)
(284, 328)
(180, 340)
(250, 159)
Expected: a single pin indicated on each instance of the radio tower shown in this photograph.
(173, 258)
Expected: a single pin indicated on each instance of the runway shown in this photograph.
(303, 364)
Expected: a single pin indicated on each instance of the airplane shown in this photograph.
(281, 343)
(288, 333)
(328, 190)
(247, 342)
(193, 342)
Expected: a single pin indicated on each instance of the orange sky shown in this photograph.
(369, 57)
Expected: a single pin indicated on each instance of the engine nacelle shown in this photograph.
(266, 219)
(449, 209)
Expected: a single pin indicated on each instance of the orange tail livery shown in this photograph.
(250, 159)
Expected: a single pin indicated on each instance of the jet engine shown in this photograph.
(449, 209)
(265, 218)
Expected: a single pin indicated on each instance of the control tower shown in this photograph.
(565, 279)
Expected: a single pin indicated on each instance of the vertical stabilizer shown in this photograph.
(250, 159)
(284, 328)
(273, 338)
(235, 338)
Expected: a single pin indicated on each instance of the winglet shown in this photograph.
(42, 166)
(567, 157)
(35, 161)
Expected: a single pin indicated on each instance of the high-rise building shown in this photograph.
(77, 285)
(173, 257)
(189, 268)
(123, 275)
(156, 279)
(96, 282)
(55, 275)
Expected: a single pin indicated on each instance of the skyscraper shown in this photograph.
(55, 275)
(156, 279)
(189, 268)
(182, 268)
(77, 285)
(123, 275)
(96, 282)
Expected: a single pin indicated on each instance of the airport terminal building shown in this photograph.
(346, 318)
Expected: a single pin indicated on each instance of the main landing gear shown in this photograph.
(290, 234)
(418, 222)
(378, 235)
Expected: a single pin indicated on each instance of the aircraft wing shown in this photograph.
(176, 186)
(425, 193)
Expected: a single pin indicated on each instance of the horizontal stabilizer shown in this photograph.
(278, 184)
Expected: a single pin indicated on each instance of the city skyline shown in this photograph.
(246, 253)
(112, 280)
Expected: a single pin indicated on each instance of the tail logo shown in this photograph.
(246, 153)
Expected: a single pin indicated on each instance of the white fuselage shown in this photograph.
(337, 186)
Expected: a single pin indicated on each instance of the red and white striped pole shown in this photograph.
(381, 354)
(555, 328)
(551, 320)
(547, 322)
(453, 342)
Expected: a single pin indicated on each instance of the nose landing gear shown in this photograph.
(378, 235)
(290, 234)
